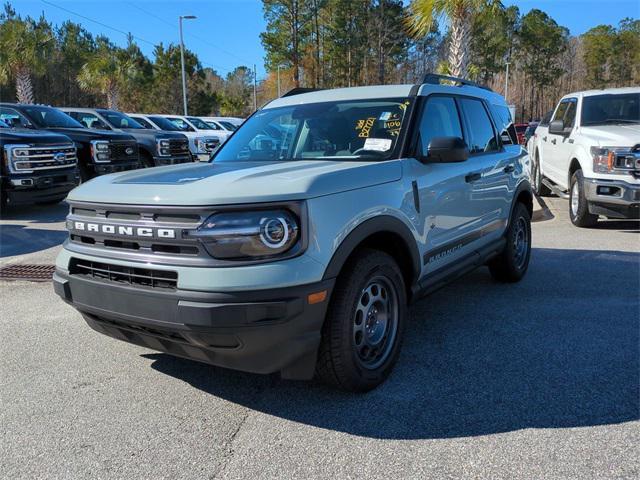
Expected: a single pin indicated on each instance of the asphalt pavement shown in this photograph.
(540, 379)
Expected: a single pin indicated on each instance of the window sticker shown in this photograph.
(385, 116)
(364, 126)
(378, 144)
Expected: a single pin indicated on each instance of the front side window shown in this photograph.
(343, 130)
(561, 110)
(440, 119)
(610, 109)
(120, 120)
(12, 117)
(229, 126)
(481, 137)
(570, 114)
(45, 117)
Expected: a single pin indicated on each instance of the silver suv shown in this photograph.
(299, 246)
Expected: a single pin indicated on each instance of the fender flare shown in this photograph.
(379, 224)
(523, 186)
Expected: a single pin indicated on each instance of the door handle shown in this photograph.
(553, 141)
(544, 139)
(509, 169)
(472, 177)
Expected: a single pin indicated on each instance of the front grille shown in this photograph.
(48, 157)
(118, 151)
(178, 147)
(140, 277)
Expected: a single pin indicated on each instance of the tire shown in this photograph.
(578, 204)
(513, 262)
(539, 188)
(367, 314)
(85, 173)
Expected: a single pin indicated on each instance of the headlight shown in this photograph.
(100, 151)
(613, 159)
(163, 148)
(201, 145)
(249, 235)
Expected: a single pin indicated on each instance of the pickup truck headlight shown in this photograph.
(100, 151)
(164, 148)
(614, 160)
(249, 235)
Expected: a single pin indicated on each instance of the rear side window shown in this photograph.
(440, 119)
(481, 137)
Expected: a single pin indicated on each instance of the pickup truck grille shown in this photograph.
(141, 277)
(118, 151)
(178, 147)
(41, 157)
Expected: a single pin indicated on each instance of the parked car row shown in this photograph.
(47, 151)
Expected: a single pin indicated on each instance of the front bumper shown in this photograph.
(262, 331)
(160, 161)
(612, 198)
(29, 188)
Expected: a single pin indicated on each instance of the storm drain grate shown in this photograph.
(34, 273)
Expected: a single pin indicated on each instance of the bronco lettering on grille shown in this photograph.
(122, 230)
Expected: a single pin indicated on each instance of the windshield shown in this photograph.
(168, 125)
(45, 117)
(610, 109)
(181, 124)
(119, 120)
(202, 125)
(344, 130)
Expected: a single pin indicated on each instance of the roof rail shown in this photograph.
(435, 79)
(300, 90)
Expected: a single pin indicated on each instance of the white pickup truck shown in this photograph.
(590, 153)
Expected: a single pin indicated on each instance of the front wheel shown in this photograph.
(513, 262)
(540, 188)
(365, 323)
(578, 204)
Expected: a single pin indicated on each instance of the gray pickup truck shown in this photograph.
(299, 246)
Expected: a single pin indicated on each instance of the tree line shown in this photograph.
(324, 44)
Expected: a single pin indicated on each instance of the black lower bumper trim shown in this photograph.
(261, 331)
(43, 188)
(615, 210)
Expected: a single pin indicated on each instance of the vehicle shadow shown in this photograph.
(36, 213)
(559, 349)
(19, 240)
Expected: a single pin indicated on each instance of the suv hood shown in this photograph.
(87, 134)
(235, 182)
(612, 135)
(11, 135)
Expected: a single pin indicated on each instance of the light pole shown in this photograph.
(278, 81)
(506, 84)
(184, 80)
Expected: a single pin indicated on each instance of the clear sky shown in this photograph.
(226, 32)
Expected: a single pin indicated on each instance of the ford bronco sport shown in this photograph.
(300, 252)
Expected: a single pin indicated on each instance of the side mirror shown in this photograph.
(557, 127)
(446, 150)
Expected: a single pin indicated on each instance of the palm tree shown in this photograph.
(108, 71)
(24, 45)
(424, 14)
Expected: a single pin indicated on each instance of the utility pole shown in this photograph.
(506, 84)
(184, 79)
(255, 89)
(278, 81)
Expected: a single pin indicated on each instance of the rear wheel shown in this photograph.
(365, 323)
(513, 262)
(578, 204)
